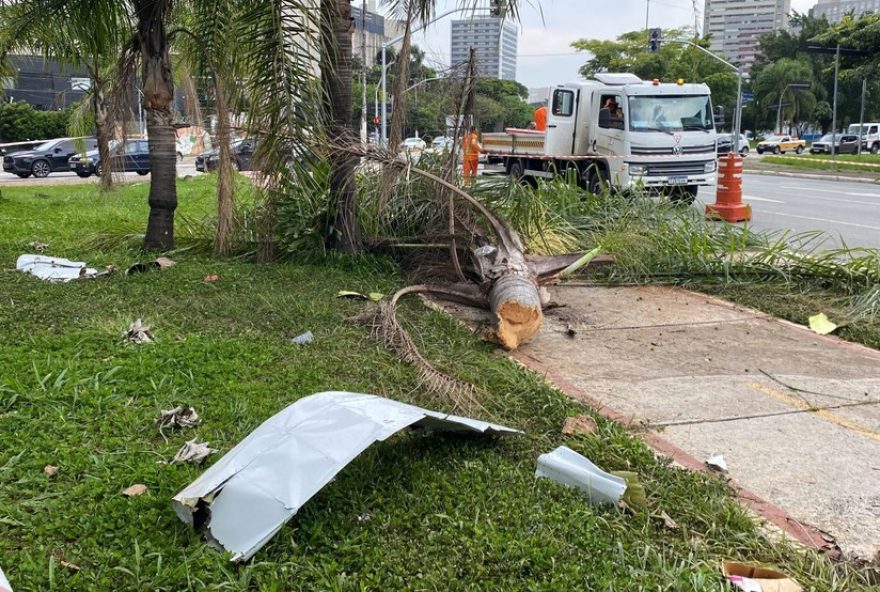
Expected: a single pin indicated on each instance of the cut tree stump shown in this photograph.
(516, 305)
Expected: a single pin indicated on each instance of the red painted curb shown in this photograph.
(795, 529)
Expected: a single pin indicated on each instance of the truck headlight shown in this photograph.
(710, 166)
(638, 169)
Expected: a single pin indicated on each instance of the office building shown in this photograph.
(734, 27)
(834, 10)
(495, 41)
(378, 30)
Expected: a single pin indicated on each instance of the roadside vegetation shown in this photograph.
(411, 513)
(817, 162)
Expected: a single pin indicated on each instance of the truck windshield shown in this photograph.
(670, 113)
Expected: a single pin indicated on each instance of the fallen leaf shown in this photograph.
(350, 294)
(165, 262)
(821, 324)
(668, 522)
(69, 565)
(581, 425)
(135, 490)
(50, 470)
(211, 278)
(635, 496)
(376, 296)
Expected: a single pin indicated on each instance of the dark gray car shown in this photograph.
(844, 143)
(46, 158)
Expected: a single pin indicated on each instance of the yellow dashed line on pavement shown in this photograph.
(823, 413)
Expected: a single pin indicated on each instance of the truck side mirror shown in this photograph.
(719, 115)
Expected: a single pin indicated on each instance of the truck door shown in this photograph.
(561, 122)
(611, 122)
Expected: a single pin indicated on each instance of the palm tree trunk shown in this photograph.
(336, 78)
(398, 115)
(226, 181)
(158, 88)
(101, 109)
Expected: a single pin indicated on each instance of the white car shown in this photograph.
(413, 145)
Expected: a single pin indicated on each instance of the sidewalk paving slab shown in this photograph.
(706, 376)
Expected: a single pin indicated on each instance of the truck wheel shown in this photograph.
(683, 195)
(776, 150)
(516, 172)
(597, 179)
(800, 150)
(875, 148)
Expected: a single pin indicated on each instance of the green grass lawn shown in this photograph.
(412, 513)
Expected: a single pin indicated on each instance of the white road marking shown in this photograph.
(834, 191)
(756, 198)
(820, 220)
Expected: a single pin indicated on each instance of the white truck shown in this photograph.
(662, 137)
(870, 133)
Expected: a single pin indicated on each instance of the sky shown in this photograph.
(546, 57)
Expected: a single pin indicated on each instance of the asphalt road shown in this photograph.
(849, 212)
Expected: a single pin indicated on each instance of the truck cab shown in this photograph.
(870, 133)
(646, 133)
(621, 132)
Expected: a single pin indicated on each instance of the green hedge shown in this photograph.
(20, 122)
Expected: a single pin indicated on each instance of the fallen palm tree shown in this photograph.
(501, 277)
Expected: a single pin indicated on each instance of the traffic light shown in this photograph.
(654, 39)
(495, 8)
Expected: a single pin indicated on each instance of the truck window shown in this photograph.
(610, 112)
(563, 103)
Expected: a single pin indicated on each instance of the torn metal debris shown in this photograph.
(157, 263)
(716, 461)
(5, 586)
(566, 466)
(255, 488)
(138, 332)
(54, 269)
(182, 416)
(303, 339)
(194, 452)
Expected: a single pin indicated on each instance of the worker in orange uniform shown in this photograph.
(541, 118)
(471, 147)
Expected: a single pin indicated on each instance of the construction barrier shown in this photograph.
(728, 204)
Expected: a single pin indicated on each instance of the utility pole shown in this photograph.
(647, 13)
(364, 72)
(862, 114)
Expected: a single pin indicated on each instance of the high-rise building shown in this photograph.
(734, 27)
(495, 41)
(372, 27)
(834, 10)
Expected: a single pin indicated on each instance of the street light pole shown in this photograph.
(364, 72)
(737, 117)
(834, 110)
(385, 47)
(862, 114)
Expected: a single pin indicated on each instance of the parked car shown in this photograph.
(843, 144)
(133, 156)
(441, 144)
(414, 144)
(46, 158)
(781, 145)
(724, 144)
(242, 155)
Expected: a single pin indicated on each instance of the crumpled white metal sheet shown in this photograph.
(255, 488)
(566, 466)
(4, 583)
(54, 269)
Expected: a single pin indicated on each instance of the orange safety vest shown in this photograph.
(471, 145)
(541, 118)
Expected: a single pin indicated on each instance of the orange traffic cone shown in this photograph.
(728, 199)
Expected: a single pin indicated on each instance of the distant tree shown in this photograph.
(629, 53)
(772, 84)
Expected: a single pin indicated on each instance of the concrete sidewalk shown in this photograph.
(705, 376)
